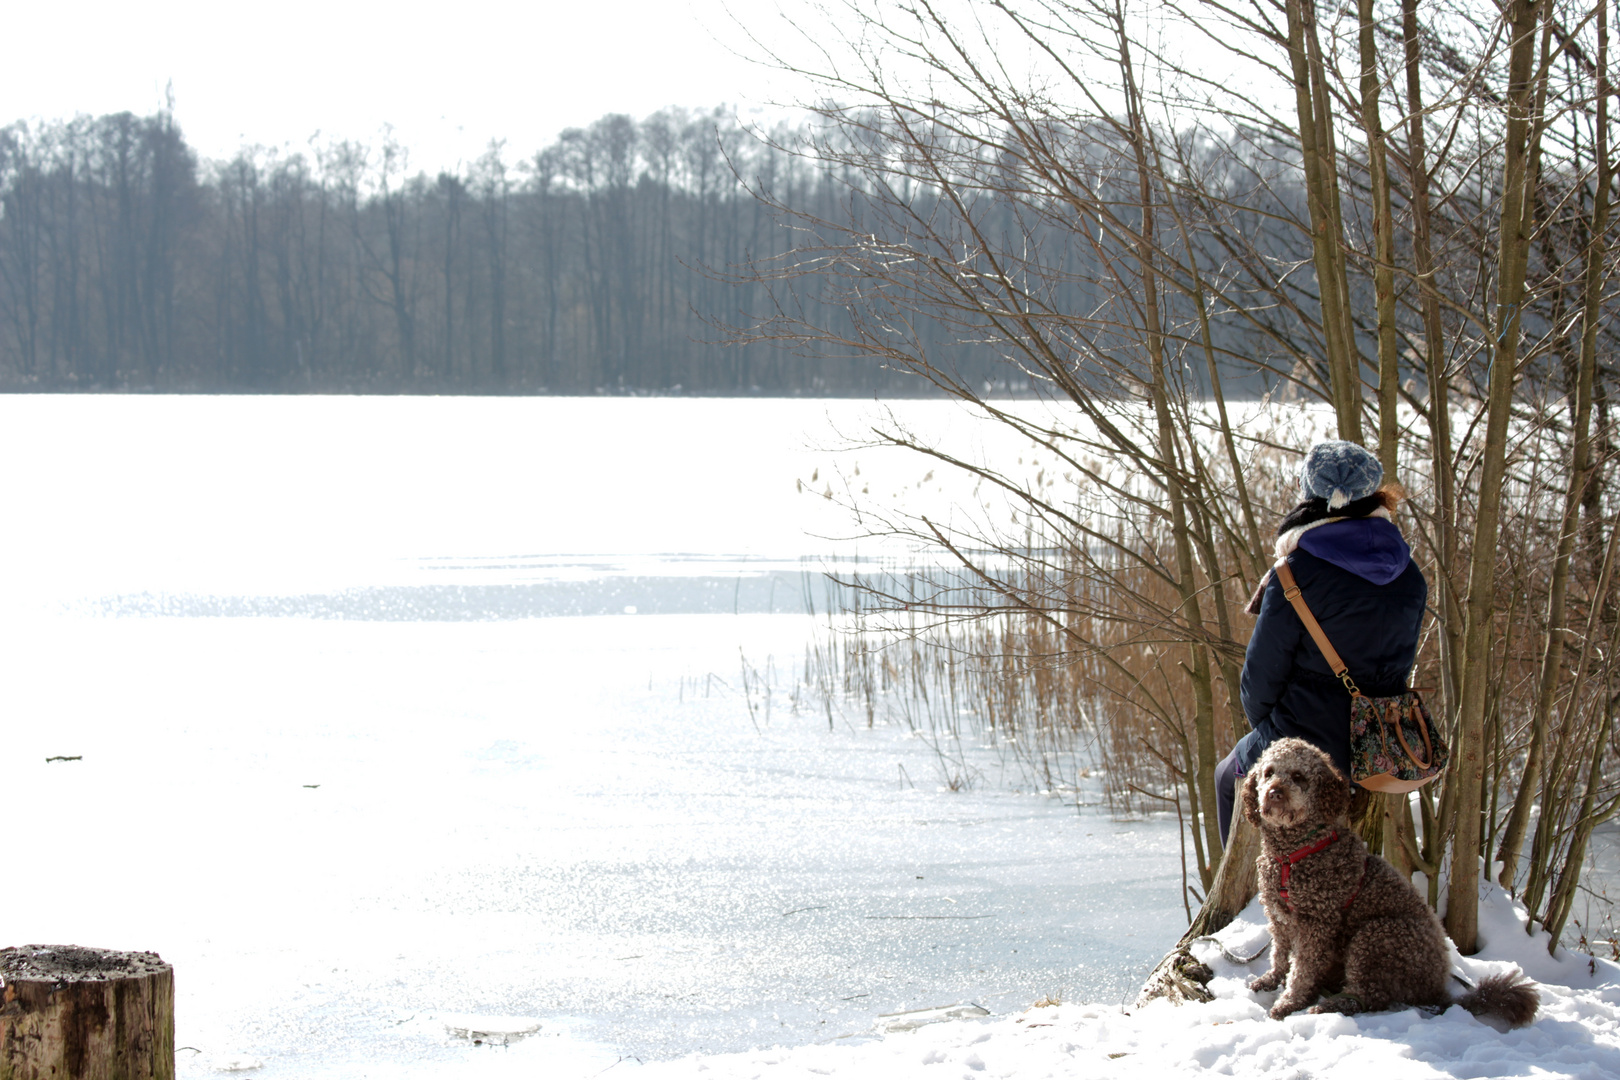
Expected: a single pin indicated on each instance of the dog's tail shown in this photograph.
(1512, 999)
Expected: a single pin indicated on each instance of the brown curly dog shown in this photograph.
(1344, 923)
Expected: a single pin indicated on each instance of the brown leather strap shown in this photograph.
(1285, 576)
(1427, 745)
(1341, 671)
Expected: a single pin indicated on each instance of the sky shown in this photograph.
(448, 78)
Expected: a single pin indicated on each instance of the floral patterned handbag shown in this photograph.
(1394, 745)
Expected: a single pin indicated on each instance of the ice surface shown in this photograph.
(912, 1019)
(228, 496)
(499, 1030)
(560, 818)
(346, 826)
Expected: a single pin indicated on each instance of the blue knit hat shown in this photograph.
(1340, 472)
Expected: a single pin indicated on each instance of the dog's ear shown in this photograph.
(1251, 799)
(1334, 795)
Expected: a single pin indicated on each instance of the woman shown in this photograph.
(1357, 575)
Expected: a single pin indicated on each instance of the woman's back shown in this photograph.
(1358, 578)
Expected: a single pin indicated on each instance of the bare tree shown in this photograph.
(1101, 240)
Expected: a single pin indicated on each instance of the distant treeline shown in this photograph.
(605, 263)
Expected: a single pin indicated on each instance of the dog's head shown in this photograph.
(1295, 784)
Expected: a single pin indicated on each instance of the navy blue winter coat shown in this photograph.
(1361, 584)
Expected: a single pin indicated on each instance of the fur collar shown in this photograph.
(1288, 542)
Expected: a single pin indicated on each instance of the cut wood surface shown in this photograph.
(75, 1013)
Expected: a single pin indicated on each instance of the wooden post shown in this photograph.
(71, 1013)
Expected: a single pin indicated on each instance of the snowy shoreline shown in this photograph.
(1575, 1035)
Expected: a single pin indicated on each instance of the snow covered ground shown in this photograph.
(367, 740)
(1576, 1034)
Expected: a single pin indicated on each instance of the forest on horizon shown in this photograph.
(606, 263)
(626, 257)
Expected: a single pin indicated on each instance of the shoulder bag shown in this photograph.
(1386, 733)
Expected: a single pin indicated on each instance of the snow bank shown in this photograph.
(1576, 1034)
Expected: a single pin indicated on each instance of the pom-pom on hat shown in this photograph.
(1340, 472)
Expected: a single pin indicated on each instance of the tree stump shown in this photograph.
(71, 1013)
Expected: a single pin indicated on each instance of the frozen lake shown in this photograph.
(368, 739)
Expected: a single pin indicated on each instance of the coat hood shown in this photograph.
(1371, 547)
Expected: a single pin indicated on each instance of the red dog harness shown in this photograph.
(1287, 862)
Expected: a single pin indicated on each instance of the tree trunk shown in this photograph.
(1368, 812)
(72, 1013)
(1320, 160)
(1384, 238)
(1434, 361)
(1201, 770)
(1179, 976)
(1552, 657)
(1467, 770)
